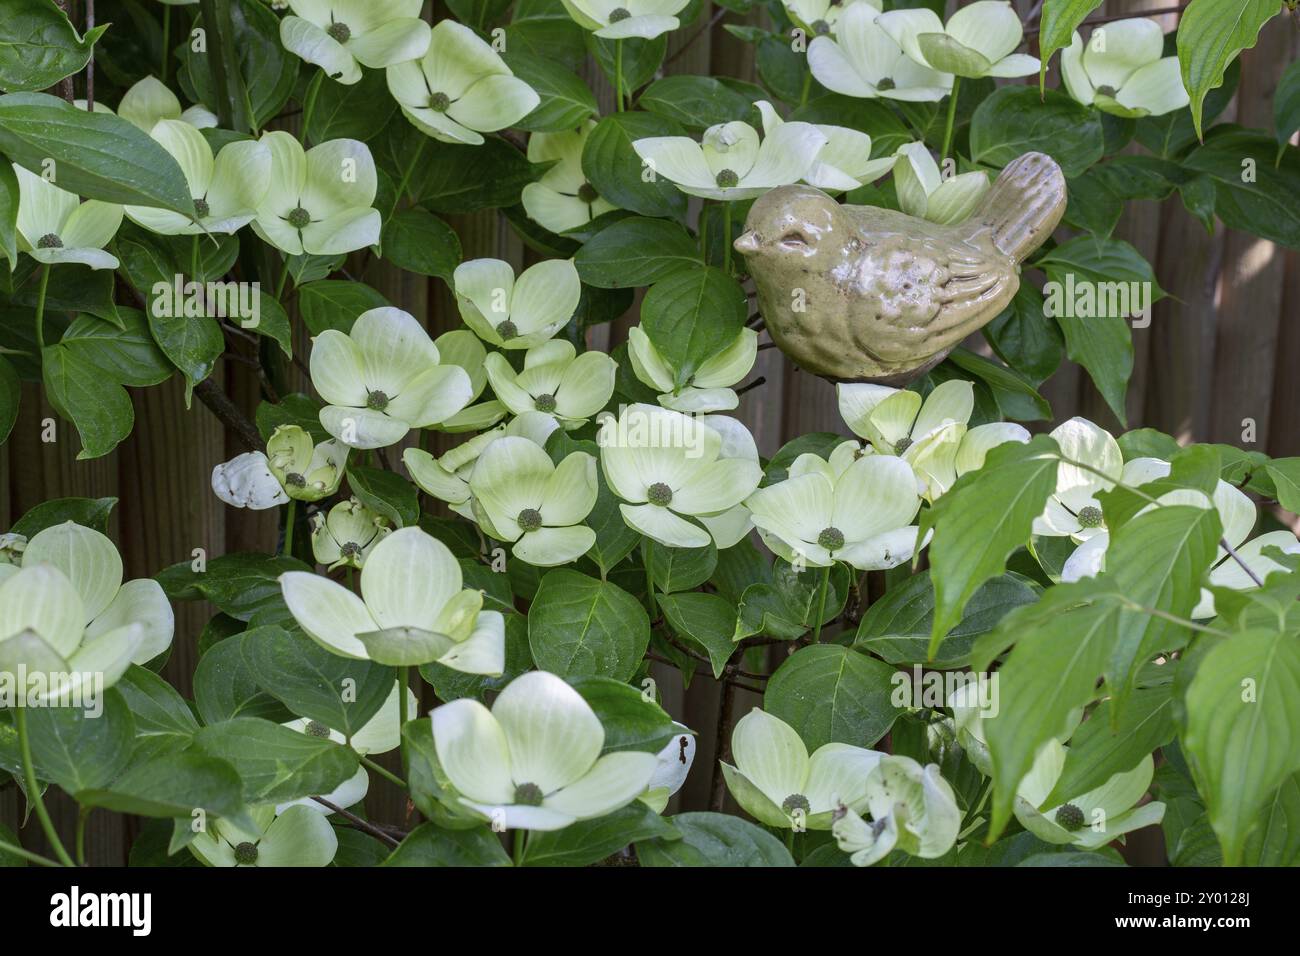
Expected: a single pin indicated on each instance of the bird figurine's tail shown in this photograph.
(1024, 205)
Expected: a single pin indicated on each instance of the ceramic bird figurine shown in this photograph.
(864, 294)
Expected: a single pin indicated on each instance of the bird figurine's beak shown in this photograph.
(747, 242)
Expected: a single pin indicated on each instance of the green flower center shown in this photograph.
(507, 330)
(340, 32)
(377, 400)
(295, 479)
(619, 13)
(246, 853)
(350, 550)
(902, 445)
(726, 178)
(201, 208)
(1069, 817)
(885, 83)
(1090, 517)
(316, 729)
(299, 218)
(796, 801)
(529, 795)
(1106, 91)
(544, 403)
(49, 241)
(820, 28)
(530, 519)
(659, 494)
(831, 539)
(587, 193)
(439, 102)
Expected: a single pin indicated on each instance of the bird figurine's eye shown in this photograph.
(794, 240)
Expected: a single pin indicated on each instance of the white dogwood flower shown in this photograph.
(777, 783)
(463, 348)
(55, 226)
(1073, 508)
(1090, 820)
(299, 837)
(978, 40)
(516, 313)
(913, 809)
(899, 422)
(346, 535)
(318, 201)
(383, 379)
(731, 162)
(535, 505)
(820, 17)
(533, 762)
(622, 19)
(1122, 70)
(447, 477)
(226, 189)
(556, 381)
(379, 735)
(412, 609)
(149, 100)
(959, 450)
(673, 765)
(924, 192)
(562, 199)
(709, 388)
(460, 88)
(861, 516)
(341, 36)
(843, 163)
(863, 60)
(306, 470)
(669, 468)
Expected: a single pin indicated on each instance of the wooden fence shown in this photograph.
(1219, 351)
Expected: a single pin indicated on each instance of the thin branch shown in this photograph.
(761, 380)
(219, 403)
(1223, 543)
(721, 747)
(707, 28)
(360, 824)
(90, 63)
(734, 669)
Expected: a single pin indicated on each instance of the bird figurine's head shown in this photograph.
(791, 222)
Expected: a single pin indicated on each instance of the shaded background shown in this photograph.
(1219, 350)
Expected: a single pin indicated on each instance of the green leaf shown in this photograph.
(1210, 35)
(636, 252)
(714, 839)
(708, 620)
(99, 408)
(695, 101)
(9, 214)
(1241, 715)
(336, 303)
(338, 111)
(638, 62)
(631, 721)
(460, 179)
(1013, 121)
(1025, 338)
(249, 33)
(172, 785)
(984, 517)
(1285, 473)
(1103, 747)
(39, 45)
(429, 845)
(612, 166)
(277, 764)
(897, 627)
(226, 683)
(158, 709)
(1016, 398)
(11, 394)
(1286, 105)
(614, 539)
(829, 693)
(296, 409)
(1275, 841)
(1254, 188)
(340, 693)
(785, 606)
(566, 101)
(579, 625)
(126, 355)
(238, 584)
(89, 512)
(692, 316)
(81, 749)
(95, 155)
(589, 841)
(420, 242)
(1059, 20)
(679, 569)
(386, 493)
